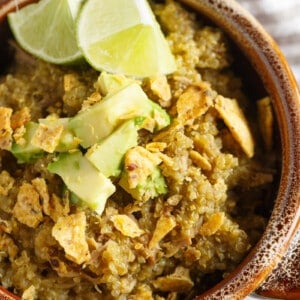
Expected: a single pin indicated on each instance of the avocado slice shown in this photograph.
(97, 122)
(107, 155)
(83, 179)
(27, 152)
(110, 83)
(153, 186)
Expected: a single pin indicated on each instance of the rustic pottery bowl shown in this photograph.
(268, 73)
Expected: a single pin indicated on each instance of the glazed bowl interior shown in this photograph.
(269, 73)
(262, 65)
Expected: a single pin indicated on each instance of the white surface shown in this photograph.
(257, 297)
(281, 19)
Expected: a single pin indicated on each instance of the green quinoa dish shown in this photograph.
(114, 186)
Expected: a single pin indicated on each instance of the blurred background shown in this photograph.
(281, 18)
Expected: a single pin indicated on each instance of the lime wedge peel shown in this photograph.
(116, 36)
(123, 37)
(47, 30)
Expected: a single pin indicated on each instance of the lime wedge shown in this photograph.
(47, 30)
(123, 37)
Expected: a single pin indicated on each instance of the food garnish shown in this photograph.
(47, 30)
(116, 36)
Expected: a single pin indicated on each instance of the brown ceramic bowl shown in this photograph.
(269, 74)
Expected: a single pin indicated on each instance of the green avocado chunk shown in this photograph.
(83, 179)
(26, 152)
(100, 120)
(110, 83)
(107, 155)
(153, 186)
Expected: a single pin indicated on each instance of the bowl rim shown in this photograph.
(271, 65)
(273, 69)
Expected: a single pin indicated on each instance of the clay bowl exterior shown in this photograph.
(274, 74)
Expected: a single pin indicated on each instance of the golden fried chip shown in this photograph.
(163, 226)
(266, 121)
(5, 128)
(69, 231)
(236, 122)
(28, 209)
(126, 226)
(47, 137)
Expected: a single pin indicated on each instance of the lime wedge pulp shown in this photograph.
(123, 37)
(47, 30)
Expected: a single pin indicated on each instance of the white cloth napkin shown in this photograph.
(281, 18)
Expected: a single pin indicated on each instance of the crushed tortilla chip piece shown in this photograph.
(180, 281)
(236, 122)
(140, 163)
(20, 118)
(200, 161)
(156, 146)
(161, 88)
(126, 226)
(29, 293)
(5, 128)
(47, 137)
(204, 145)
(57, 208)
(163, 226)
(266, 121)
(28, 209)
(213, 224)
(91, 100)
(69, 231)
(192, 104)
